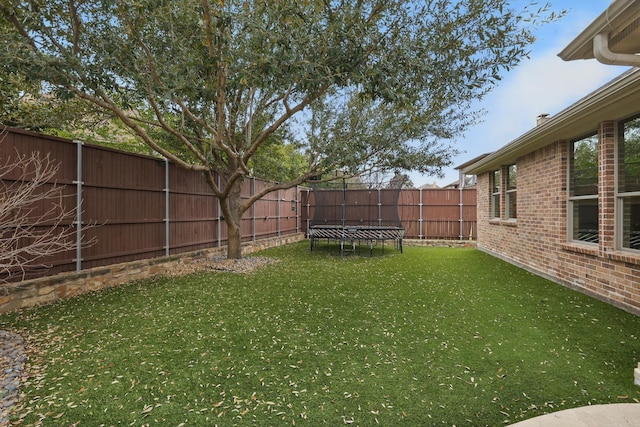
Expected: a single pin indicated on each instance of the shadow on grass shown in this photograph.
(354, 248)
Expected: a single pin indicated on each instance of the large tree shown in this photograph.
(206, 83)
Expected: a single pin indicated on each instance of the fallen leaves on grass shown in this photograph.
(362, 341)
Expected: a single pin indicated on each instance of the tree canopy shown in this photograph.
(207, 84)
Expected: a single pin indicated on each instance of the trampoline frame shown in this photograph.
(347, 236)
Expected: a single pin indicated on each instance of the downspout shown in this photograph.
(604, 55)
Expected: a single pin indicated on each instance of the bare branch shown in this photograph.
(35, 224)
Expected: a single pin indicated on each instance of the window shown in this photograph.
(469, 181)
(495, 194)
(583, 190)
(628, 223)
(511, 199)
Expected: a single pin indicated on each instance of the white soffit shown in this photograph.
(620, 22)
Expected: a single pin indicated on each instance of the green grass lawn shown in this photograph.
(433, 336)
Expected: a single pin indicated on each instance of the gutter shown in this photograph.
(604, 55)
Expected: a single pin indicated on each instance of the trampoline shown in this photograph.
(356, 217)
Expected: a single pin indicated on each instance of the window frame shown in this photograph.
(495, 193)
(574, 202)
(511, 192)
(622, 195)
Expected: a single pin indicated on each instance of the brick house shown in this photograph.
(563, 200)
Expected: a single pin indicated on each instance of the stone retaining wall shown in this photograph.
(29, 293)
(440, 243)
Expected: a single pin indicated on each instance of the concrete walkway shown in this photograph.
(613, 415)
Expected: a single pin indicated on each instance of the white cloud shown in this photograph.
(543, 84)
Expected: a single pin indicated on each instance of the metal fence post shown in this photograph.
(379, 208)
(461, 205)
(253, 209)
(420, 214)
(219, 216)
(278, 214)
(297, 202)
(78, 183)
(308, 210)
(167, 210)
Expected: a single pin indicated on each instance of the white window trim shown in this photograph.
(620, 197)
(619, 216)
(495, 215)
(570, 222)
(508, 193)
(572, 199)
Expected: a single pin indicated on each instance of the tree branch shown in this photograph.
(107, 103)
(283, 118)
(76, 24)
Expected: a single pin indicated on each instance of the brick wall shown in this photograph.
(537, 240)
(16, 296)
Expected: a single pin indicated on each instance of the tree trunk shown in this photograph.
(234, 246)
(232, 210)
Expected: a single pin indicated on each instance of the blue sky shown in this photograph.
(542, 84)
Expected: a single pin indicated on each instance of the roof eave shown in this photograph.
(617, 16)
(615, 100)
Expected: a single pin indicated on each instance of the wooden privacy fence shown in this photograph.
(447, 214)
(137, 207)
(425, 214)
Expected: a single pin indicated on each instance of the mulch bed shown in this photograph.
(219, 263)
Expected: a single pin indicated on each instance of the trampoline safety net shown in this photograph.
(356, 216)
